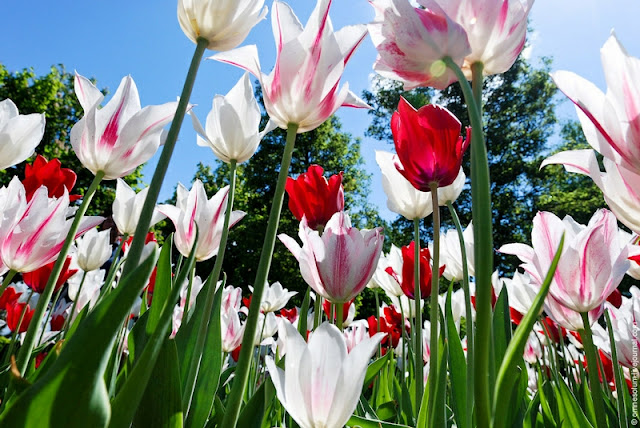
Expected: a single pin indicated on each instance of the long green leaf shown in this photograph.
(505, 381)
(357, 421)
(457, 368)
(209, 372)
(126, 401)
(74, 385)
(161, 405)
(162, 288)
(570, 412)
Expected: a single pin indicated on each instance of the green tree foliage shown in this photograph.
(519, 117)
(53, 95)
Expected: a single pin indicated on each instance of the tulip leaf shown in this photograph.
(161, 404)
(126, 401)
(77, 375)
(621, 387)
(210, 367)
(458, 367)
(162, 288)
(570, 411)
(374, 368)
(437, 416)
(505, 381)
(253, 412)
(532, 413)
(357, 421)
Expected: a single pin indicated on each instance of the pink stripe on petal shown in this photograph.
(504, 13)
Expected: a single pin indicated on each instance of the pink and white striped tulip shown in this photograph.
(412, 43)
(20, 134)
(620, 186)
(592, 263)
(36, 233)
(192, 209)
(120, 136)
(611, 121)
(339, 264)
(496, 30)
(231, 328)
(321, 381)
(303, 87)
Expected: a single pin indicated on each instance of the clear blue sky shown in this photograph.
(110, 39)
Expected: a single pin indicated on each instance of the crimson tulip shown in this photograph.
(49, 174)
(428, 144)
(14, 313)
(407, 283)
(313, 196)
(37, 279)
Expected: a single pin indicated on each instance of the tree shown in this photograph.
(53, 95)
(519, 122)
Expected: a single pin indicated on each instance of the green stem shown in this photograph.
(434, 317)
(620, 384)
(29, 341)
(67, 322)
(113, 269)
(375, 293)
(467, 313)
(244, 361)
(211, 291)
(135, 252)
(418, 368)
(592, 367)
(332, 313)
(186, 303)
(339, 314)
(49, 313)
(317, 311)
(483, 238)
(7, 280)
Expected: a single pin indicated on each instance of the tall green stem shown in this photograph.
(29, 341)
(483, 238)
(418, 368)
(244, 361)
(592, 367)
(135, 252)
(434, 316)
(467, 313)
(211, 291)
(339, 315)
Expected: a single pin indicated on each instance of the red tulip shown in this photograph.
(326, 307)
(37, 279)
(313, 196)
(14, 312)
(428, 144)
(407, 283)
(49, 174)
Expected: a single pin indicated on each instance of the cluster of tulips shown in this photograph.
(127, 335)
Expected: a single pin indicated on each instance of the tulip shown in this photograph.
(339, 264)
(402, 197)
(275, 297)
(89, 292)
(412, 43)
(231, 328)
(37, 280)
(521, 294)
(192, 209)
(224, 23)
(592, 263)
(14, 313)
(303, 88)
(625, 322)
(232, 125)
(610, 122)
(451, 254)
(448, 194)
(620, 186)
(94, 249)
(568, 318)
(36, 234)
(408, 264)
(496, 30)
(127, 207)
(19, 134)
(428, 144)
(321, 382)
(119, 137)
(13, 201)
(49, 174)
(314, 197)
(392, 262)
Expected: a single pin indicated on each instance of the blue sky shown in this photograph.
(110, 39)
